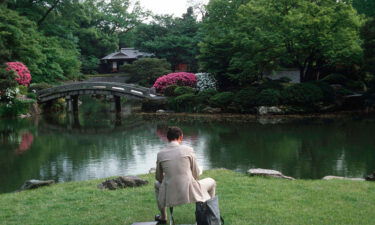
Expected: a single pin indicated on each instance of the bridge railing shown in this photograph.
(120, 88)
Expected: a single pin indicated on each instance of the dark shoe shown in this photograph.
(160, 221)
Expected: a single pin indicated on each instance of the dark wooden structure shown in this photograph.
(72, 91)
(113, 61)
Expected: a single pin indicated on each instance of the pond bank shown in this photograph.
(243, 200)
(228, 117)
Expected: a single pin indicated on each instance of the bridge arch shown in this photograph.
(71, 92)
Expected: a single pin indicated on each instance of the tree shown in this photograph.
(175, 39)
(366, 7)
(264, 34)
(368, 35)
(216, 49)
(145, 71)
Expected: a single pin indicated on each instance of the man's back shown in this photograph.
(177, 170)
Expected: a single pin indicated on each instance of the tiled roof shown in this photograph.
(127, 53)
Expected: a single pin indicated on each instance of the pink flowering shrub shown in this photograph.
(180, 79)
(23, 73)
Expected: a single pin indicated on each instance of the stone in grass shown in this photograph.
(122, 182)
(370, 177)
(33, 184)
(145, 223)
(268, 173)
(341, 178)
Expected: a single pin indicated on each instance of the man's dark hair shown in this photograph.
(174, 133)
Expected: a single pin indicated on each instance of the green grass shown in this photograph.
(243, 200)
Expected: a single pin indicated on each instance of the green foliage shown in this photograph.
(246, 99)
(182, 90)
(169, 91)
(31, 95)
(222, 99)
(175, 39)
(327, 90)
(145, 71)
(204, 96)
(302, 94)
(183, 103)
(48, 58)
(16, 108)
(366, 7)
(368, 36)
(244, 39)
(22, 89)
(335, 79)
(7, 79)
(268, 97)
(34, 87)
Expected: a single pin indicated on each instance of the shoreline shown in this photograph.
(233, 117)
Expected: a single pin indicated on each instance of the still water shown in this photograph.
(98, 144)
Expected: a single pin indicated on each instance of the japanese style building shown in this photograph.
(113, 61)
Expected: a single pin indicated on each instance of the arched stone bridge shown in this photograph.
(72, 91)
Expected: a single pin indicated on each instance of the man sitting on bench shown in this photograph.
(177, 175)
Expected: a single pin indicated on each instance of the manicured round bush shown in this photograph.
(169, 91)
(205, 81)
(302, 94)
(327, 90)
(246, 97)
(23, 73)
(222, 100)
(335, 78)
(180, 79)
(270, 84)
(183, 103)
(268, 97)
(181, 90)
(204, 96)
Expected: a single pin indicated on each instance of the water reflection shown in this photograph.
(100, 145)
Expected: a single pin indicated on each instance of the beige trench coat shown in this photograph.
(177, 171)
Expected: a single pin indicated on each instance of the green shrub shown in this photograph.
(17, 108)
(222, 100)
(343, 92)
(145, 71)
(149, 105)
(170, 91)
(34, 87)
(327, 90)
(22, 89)
(268, 97)
(355, 85)
(31, 95)
(270, 84)
(245, 99)
(182, 90)
(204, 96)
(335, 78)
(302, 94)
(183, 103)
(7, 79)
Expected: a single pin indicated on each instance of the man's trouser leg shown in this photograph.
(163, 210)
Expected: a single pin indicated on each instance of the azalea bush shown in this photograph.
(23, 73)
(180, 79)
(205, 81)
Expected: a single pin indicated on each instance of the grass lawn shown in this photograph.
(243, 200)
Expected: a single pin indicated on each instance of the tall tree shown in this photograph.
(310, 35)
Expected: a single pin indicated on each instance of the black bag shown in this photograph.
(208, 213)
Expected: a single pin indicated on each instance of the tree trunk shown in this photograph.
(48, 12)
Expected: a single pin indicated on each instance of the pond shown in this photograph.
(98, 144)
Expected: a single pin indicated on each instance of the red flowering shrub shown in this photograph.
(23, 73)
(180, 79)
